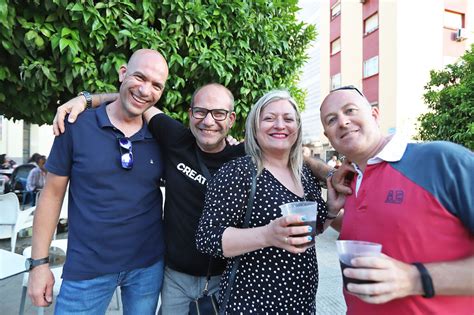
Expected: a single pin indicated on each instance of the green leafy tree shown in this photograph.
(51, 49)
(450, 98)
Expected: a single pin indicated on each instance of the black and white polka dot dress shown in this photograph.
(270, 280)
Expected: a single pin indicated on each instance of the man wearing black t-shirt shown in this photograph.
(211, 116)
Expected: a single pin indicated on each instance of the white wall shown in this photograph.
(41, 139)
(310, 78)
(11, 139)
(419, 50)
(351, 43)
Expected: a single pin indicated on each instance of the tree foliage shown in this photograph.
(52, 49)
(450, 98)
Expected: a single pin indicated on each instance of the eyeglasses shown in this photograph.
(217, 114)
(349, 87)
(126, 157)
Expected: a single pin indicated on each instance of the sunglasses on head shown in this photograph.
(348, 87)
(126, 155)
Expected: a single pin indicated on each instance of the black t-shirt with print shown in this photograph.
(185, 190)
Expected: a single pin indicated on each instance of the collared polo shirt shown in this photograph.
(115, 215)
(416, 199)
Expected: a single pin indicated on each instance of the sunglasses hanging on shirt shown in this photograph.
(126, 155)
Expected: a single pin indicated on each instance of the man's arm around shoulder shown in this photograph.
(322, 171)
(77, 105)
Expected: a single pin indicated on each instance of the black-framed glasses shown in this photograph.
(349, 87)
(217, 114)
(126, 155)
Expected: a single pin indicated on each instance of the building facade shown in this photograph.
(310, 79)
(387, 49)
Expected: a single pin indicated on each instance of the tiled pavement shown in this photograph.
(329, 298)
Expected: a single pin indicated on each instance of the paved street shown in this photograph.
(329, 298)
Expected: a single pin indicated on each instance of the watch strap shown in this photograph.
(37, 262)
(426, 280)
(88, 98)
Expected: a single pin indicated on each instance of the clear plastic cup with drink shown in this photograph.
(307, 209)
(349, 249)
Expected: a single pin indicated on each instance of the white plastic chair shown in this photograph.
(2, 184)
(63, 214)
(57, 271)
(37, 197)
(11, 215)
(64, 207)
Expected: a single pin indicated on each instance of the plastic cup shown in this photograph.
(351, 249)
(308, 209)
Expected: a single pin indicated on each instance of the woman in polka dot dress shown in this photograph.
(278, 272)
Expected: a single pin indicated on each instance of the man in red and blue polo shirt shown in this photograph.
(416, 199)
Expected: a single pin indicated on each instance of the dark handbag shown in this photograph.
(207, 304)
(209, 301)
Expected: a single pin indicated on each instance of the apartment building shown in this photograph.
(387, 49)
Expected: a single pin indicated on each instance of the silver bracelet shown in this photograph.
(331, 173)
(331, 216)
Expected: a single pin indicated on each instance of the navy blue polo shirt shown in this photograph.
(115, 215)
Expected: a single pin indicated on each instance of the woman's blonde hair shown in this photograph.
(252, 124)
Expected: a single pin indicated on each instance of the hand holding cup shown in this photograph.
(348, 250)
(307, 210)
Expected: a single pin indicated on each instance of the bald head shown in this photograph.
(210, 133)
(351, 124)
(345, 95)
(143, 81)
(147, 55)
(212, 88)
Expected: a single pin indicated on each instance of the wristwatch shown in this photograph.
(88, 98)
(31, 263)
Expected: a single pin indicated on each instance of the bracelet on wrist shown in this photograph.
(332, 216)
(331, 173)
(426, 280)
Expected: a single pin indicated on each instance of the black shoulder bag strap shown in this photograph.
(207, 175)
(248, 213)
